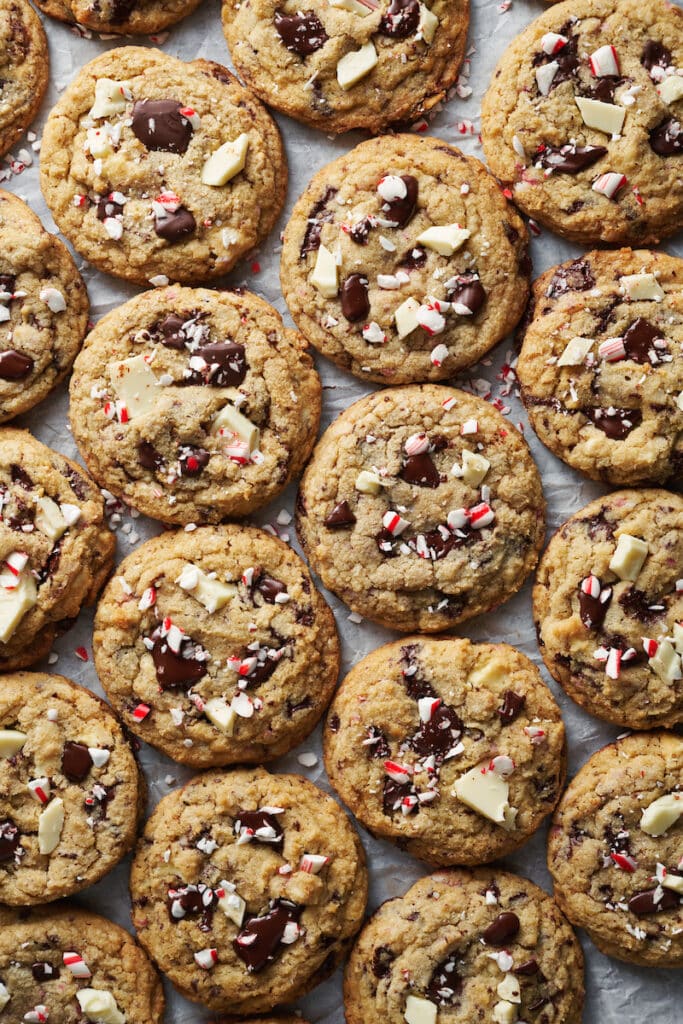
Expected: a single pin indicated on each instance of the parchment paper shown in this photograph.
(616, 993)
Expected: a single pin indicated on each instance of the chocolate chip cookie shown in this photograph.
(348, 63)
(608, 605)
(158, 170)
(63, 964)
(215, 647)
(466, 945)
(71, 793)
(123, 17)
(403, 262)
(55, 548)
(43, 309)
(615, 849)
(194, 405)
(453, 749)
(247, 888)
(24, 69)
(421, 507)
(601, 365)
(582, 120)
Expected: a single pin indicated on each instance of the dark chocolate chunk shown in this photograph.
(318, 216)
(444, 984)
(603, 89)
(528, 968)
(360, 232)
(173, 227)
(269, 588)
(14, 365)
(639, 606)
(655, 54)
(355, 302)
(666, 139)
(639, 341)
(340, 517)
(615, 423)
(420, 471)
(512, 705)
(376, 743)
(172, 669)
(413, 259)
(439, 735)
(301, 33)
(19, 476)
(258, 941)
(592, 610)
(382, 959)
(7, 283)
(227, 363)
(502, 930)
(192, 901)
(192, 459)
(394, 793)
(575, 277)
(255, 820)
(76, 761)
(148, 456)
(42, 971)
(644, 902)
(108, 207)
(399, 211)
(571, 159)
(10, 840)
(467, 291)
(401, 19)
(160, 126)
(170, 330)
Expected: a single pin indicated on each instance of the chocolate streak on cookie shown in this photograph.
(257, 944)
(318, 216)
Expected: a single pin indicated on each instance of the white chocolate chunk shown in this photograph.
(629, 556)
(405, 317)
(485, 792)
(444, 239)
(220, 714)
(228, 160)
(99, 1006)
(11, 742)
(606, 117)
(678, 636)
(420, 1011)
(99, 143)
(576, 351)
(135, 384)
(231, 421)
(110, 98)
(474, 468)
(17, 596)
(666, 662)
(50, 825)
(212, 593)
(509, 989)
(504, 1012)
(488, 674)
(368, 483)
(324, 276)
(49, 518)
(661, 814)
(642, 287)
(673, 882)
(427, 25)
(671, 89)
(356, 65)
(4, 996)
(233, 906)
(353, 6)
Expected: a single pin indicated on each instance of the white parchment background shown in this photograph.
(616, 993)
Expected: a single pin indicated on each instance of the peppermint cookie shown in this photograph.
(601, 365)
(121, 16)
(194, 405)
(403, 262)
(463, 946)
(421, 507)
(453, 749)
(67, 964)
(247, 888)
(71, 793)
(155, 169)
(55, 548)
(24, 69)
(43, 309)
(215, 646)
(615, 848)
(608, 605)
(348, 64)
(582, 120)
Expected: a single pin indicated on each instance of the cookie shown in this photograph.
(158, 170)
(614, 849)
(403, 262)
(123, 17)
(55, 548)
(454, 750)
(247, 887)
(608, 605)
(582, 120)
(69, 789)
(421, 507)
(215, 646)
(348, 64)
(43, 309)
(481, 945)
(24, 69)
(194, 405)
(601, 365)
(65, 964)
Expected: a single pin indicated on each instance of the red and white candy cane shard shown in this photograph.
(237, 451)
(398, 772)
(417, 444)
(77, 965)
(38, 1015)
(502, 765)
(535, 733)
(313, 863)
(438, 355)
(624, 861)
(247, 666)
(206, 958)
(552, 42)
(650, 646)
(16, 562)
(590, 585)
(629, 654)
(430, 319)
(480, 515)
(604, 62)
(141, 711)
(612, 349)
(148, 599)
(609, 184)
(248, 577)
(449, 403)
(394, 523)
(601, 654)
(613, 666)
(427, 706)
(408, 802)
(469, 427)
(373, 334)
(191, 114)
(40, 790)
(457, 519)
